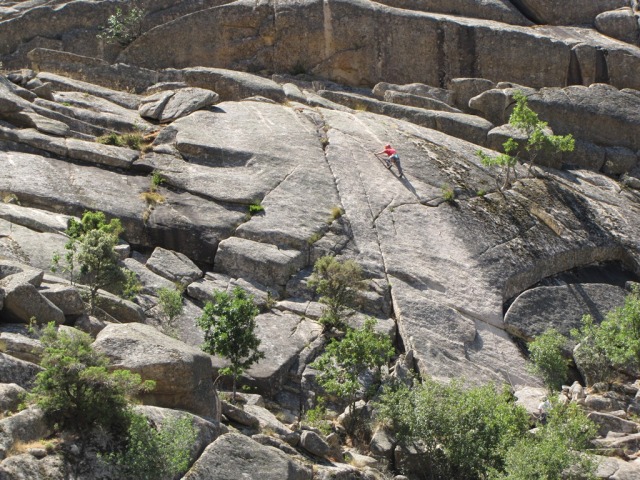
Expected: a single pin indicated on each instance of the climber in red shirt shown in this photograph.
(392, 158)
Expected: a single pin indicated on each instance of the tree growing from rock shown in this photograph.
(229, 326)
(538, 140)
(76, 391)
(345, 360)
(337, 282)
(123, 27)
(91, 249)
(545, 353)
(170, 302)
(613, 346)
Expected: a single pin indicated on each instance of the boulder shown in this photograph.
(561, 307)
(182, 373)
(464, 89)
(13, 370)
(621, 24)
(238, 415)
(530, 398)
(610, 423)
(90, 325)
(173, 266)
(23, 301)
(26, 466)
(619, 160)
(25, 426)
(66, 298)
(21, 347)
(259, 261)
(118, 308)
(99, 154)
(167, 106)
(34, 219)
(417, 101)
(557, 12)
(151, 282)
(382, 89)
(11, 395)
(314, 444)
(233, 455)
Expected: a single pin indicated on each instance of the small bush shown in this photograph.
(337, 283)
(150, 454)
(314, 238)
(481, 193)
(133, 140)
(448, 193)
(156, 180)
(547, 359)
(123, 27)
(255, 208)
(170, 302)
(131, 286)
(336, 213)
(152, 198)
(317, 417)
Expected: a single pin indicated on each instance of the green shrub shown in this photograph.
(255, 208)
(170, 302)
(463, 432)
(545, 353)
(229, 326)
(76, 391)
(317, 417)
(156, 180)
(131, 286)
(344, 361)
(337, 283)
(91, 249)
(612, 346)
(555, 451)
(123, 27)
(133, 140)
(150, 454)
(448, 193)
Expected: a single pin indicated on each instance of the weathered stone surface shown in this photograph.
(619, 160)
(182, 374)
(417, 101)
(65, 297)
(30, 247)
(28, 467)
(557, 12)
(464, 89)
(610, 423)
(492, 50)
(621, 24)
(530, 398)
(91, 325)
(61, 83)
(13, 370)
(234, 455)
(173, 266)
(151, 282)
(183, 222)
(24, 426)
(281, 352)
(120, 309)
(260, 261)
(97, 153)
(170, 105)
(269, 421)
(560, 307)
(34, 218)
(616, 469)
(469, 127)
(11, 395)
(21, 346)
(237, 414)
(314, 444)
(22, 301)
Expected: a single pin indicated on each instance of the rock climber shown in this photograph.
(392, 158)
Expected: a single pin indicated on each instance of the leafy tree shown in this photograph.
(337, 283)
(555, 451)
(345, 361)
(463, 432)
(614, 343)
(150, 453)
(91, 247)
(123, 27)
(538, 140)
(229, 328)
(547, 358)
(76, 391)
(170, 301)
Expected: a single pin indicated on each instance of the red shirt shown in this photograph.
(389, 151)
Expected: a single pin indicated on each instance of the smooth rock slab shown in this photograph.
(173, 266)
(21, 346)
(561, 307)
(263, 262)
(14, 370)
(182, 373)
(234, 456)
(170, 105)
(23, 301)
(314, 444)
